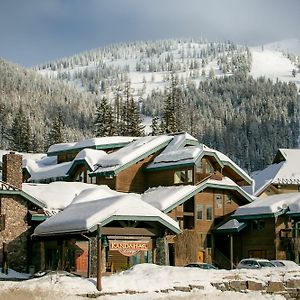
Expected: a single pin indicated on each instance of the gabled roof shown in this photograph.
(284, 170)
(167, 198)
(176, 155)
(99, 143)
(270, 206)
(119, 160)
(89, 157)
(90, 208)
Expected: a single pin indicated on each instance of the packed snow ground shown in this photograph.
(147, 280)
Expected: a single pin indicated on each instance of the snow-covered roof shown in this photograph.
(132, 153)
(176, 154)
(98, 143)
(90, 208)
(270, 206)
(286, 171)
(167, 198)
(45, 168)
(90, 156)
(58, 195)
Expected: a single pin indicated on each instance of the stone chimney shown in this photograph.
(12, 169)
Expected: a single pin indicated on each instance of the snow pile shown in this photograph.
(148, 280)
(13, 275)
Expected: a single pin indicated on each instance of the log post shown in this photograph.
(99, 259)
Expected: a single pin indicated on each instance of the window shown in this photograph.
(258, 225)
(199, 212)
(208, 167)
(228, 199)
(218, 201)
(199, 166)
(183, 176)
(209, 213)
(80, 177)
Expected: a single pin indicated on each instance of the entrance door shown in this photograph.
(81, 257)
(171, 254)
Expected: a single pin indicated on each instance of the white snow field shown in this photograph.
(148, 281)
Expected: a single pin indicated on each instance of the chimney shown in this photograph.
(12, 169)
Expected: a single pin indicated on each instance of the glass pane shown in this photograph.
(189, 176)
(199, 212)
(209, 215)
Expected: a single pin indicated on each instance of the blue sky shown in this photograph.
(37, 31)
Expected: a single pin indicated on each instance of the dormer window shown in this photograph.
(183, 176)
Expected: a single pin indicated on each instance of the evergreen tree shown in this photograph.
(20, 139)
(104, 124)
(155, 126)
(134, 125)
(56, 134)
(172, 115)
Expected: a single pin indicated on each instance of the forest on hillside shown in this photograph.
(32, 106)
(248, 119)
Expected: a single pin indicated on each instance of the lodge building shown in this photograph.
(175, 200)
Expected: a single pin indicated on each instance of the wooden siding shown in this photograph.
(256, 242)
(133, 178)
(110, 182)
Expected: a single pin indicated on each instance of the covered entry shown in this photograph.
(127, 227)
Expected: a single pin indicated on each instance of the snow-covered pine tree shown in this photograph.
(104, 123)
(56, 134)
(20, 132)
(172, 118)
(134, 126)
(155, 126)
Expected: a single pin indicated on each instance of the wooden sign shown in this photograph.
(128, 248)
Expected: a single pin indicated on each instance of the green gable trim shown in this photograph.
(96, 147)
(258, 216)
(77, 163)
(119, 169)
(137, 218)
(293, 214)
(39, 218)
(24, 195)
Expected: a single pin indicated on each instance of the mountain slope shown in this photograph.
(41, 99)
